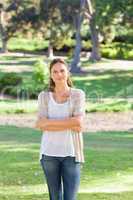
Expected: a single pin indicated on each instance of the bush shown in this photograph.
(40, 72)
(31, 89)
(109, 52)
(37, 83)
(117, 51)
(13, 84)
(9, 81)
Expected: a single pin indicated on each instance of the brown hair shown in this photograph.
(51, 82)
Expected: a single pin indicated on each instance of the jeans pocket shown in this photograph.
(45, 157)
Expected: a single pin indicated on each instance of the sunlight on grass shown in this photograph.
(26, 44)
(107, 105)
(106, 175)
(18, 106)
(92, 77)
(22, 164)
(22, 149)
(12, 144)
(21, 189)
(119, 183)
(94, 103)
(122, 183)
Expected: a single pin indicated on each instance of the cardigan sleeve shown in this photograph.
(42, 105)
(79, 103)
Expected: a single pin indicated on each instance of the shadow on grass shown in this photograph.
(18, 63)
(19, 135)
(106, 84)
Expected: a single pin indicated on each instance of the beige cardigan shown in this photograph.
(77, 107)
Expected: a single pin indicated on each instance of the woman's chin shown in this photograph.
(60, 81)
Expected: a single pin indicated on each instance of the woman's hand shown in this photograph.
(80, 124)
(41, 123)
(77, 129)
(74, 123)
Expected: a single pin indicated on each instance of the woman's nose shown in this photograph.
(59, 73)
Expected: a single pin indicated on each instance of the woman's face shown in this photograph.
(59, 73)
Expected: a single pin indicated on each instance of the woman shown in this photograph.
(60, 117)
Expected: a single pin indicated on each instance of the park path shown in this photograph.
(25, 65)
(93, 122)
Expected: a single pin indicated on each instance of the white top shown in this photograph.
(57, 143)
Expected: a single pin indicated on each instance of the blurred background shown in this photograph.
(96, 40)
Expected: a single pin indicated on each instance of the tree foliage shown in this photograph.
(58, 20)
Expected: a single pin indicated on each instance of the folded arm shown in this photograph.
(74, 123)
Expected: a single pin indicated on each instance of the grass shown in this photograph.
(30, 106)
(18, 106)
(109, 105)
(109, 90)
(29, 45)
(107, 173)
(106, 84)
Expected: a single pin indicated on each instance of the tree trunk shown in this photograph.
(3, 30)
(76, 58)
(43, 7)
(75, 67)
(95, 54)
(4, 46)
(50, 51)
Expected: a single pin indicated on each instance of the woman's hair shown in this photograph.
(51, 82)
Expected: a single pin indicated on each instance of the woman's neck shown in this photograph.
(62, 92)
(61, 89)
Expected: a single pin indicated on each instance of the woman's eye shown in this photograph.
(61, 71)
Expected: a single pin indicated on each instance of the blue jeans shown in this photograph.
(62, 176)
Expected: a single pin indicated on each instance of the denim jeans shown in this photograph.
(62, 176)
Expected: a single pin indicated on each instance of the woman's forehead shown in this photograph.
(58, 66)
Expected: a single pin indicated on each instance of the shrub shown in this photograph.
(40, 72)
(117, 51)
(31, 89)
(9, 81)
(38, 81)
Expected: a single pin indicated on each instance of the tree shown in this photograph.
(3, 29)
(18, 18)
(91, 15)
(53, 27)
(104, 18)
(78, 10)
(72, 15)
(78, 21)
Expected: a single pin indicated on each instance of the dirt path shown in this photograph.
(94, 121)
(114, 65)
(28, 58)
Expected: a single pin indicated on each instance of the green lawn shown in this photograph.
(107, 91)
(110, 90)
(18, 106)
(106, 175)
